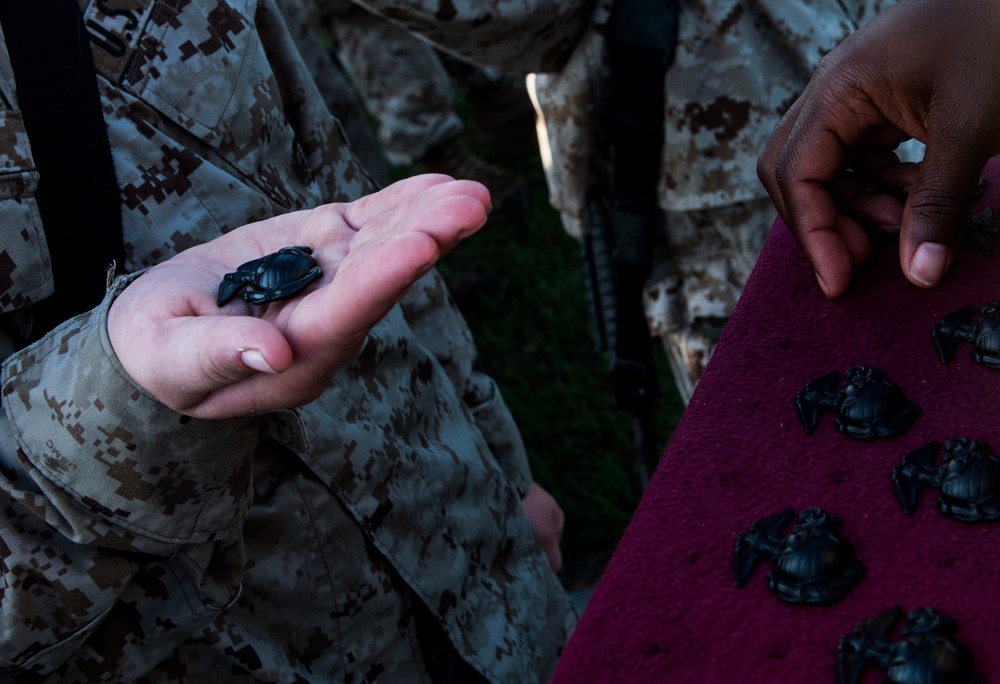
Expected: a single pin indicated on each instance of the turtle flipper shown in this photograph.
(230, 285)
(811, 401)
(859, 649)
(907, 476)
(750, 546)
(945, 340)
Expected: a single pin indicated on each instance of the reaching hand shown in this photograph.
(211, 362)
(923, 69)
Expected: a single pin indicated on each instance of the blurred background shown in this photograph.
(519, 283)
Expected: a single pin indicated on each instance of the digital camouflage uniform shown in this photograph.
(401, 79)
(738, 67)
(334, 85)
(301, 545)
(408, 91)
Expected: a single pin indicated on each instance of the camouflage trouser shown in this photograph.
(402, 81)
(737, 68)
(705, 260)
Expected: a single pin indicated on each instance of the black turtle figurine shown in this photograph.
(815, 564)
(925, 654)
(276, 276)
(984, 334)
(868, 405)
(968, 478)
(982, 230)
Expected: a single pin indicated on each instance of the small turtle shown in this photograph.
(270, 278)
(984, 334)
(815, 564)
(969, 479)
(868, 405)
(926, 654)
(982, 229)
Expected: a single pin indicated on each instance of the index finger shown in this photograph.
(767, 162)
(806, 163)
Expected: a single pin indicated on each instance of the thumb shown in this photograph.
(937, 210)
(197, 357)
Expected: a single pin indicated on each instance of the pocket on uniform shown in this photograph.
(202, 65)
(193, 75)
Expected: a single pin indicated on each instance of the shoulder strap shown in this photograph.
(78, 196)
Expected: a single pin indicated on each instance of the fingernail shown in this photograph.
(255, 360)
(822, 284)
(928, 263)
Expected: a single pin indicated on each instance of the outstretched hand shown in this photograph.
(923, 69)
(210, 362)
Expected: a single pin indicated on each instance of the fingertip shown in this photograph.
(832, 285)
(254, 360)
(477, 192)
(928, 264)
(834, 260)
(466, 214)
(251, 344)
(833, 255)
(937, 209)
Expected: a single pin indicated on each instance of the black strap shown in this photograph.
(78, 196)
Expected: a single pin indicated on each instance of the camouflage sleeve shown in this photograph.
(122, 520)
(439, 326)
(514, 36)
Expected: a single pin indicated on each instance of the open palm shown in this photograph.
(210, 362)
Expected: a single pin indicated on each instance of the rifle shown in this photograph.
(623, 214)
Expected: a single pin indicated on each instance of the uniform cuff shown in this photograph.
(88, 434)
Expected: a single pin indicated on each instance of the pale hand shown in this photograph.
(210, 362)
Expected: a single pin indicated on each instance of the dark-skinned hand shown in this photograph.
(923, 69)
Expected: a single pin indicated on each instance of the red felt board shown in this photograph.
(667, 608)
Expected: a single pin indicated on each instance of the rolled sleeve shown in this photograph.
(93, 440)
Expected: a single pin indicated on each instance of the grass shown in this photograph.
(520, 286)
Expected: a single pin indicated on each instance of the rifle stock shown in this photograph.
(623, 213)
(616, 260)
